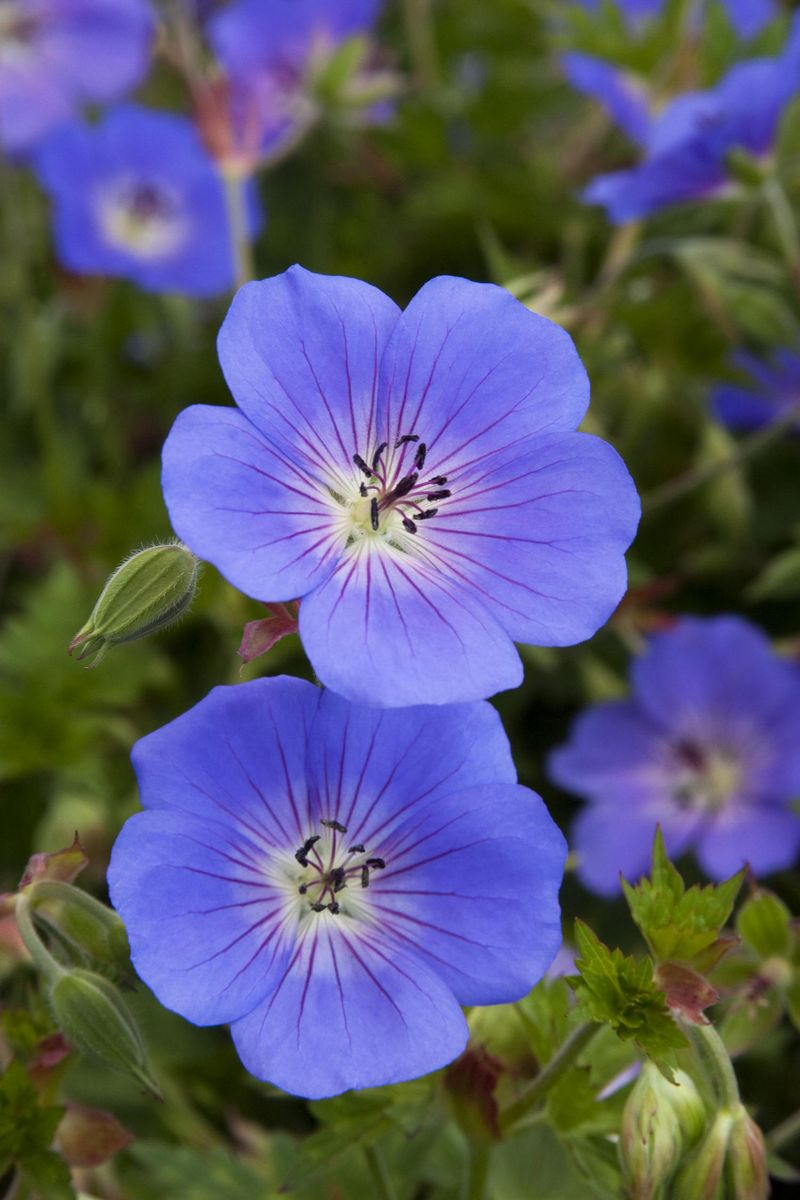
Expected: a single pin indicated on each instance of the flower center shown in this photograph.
(331, 868)
(395, 489)
(705, 778)
(143, 218)
(17, 31)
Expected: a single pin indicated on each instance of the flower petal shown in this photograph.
(609, 841)
(614, 753)
(257, 513)
(204, 923)
(471, 886)
(540, 534)
(765, 836)
(387, 630)
(350, 1012)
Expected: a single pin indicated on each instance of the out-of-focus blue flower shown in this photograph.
(708, 746)
(415, 477)
(267, 49)
(137, 196)
(688, 149)
(335, 881)
(775, 387)
(624, 99)
(748, 17)
(56, 55)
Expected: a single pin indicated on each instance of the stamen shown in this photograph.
(419, 460)
(376, 863)
(318, 906)
(438, 479)
(357, 849)
(373, 515)
(404, 486)
(362, 466)
(426, 513)
(337, 878)
(329, 824)
(334, 907)
(409, 525)
(303, 889)
(362, 489)
(442, 494)
(376, 458)
(407, 437)
(365, 877)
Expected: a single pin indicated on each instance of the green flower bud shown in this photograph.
(661, 1120)
(147, 592)
(96, 1020)
(702, 1176)
(748, 1177)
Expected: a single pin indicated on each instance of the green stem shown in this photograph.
(550, 1074)
(384, 1188)
(784, 220)
(421, 44)
(241, 246)
(748, 448)
(478, 1171)
(56, 889)
(787, 1131)
(41, 956)
(717, 1063)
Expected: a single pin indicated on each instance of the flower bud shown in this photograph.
(147, 592)
(748, 1178)
(96, 1020)
(702, 1176)
(659, 1122)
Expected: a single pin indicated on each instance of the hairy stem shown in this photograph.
(717, 1064)
(549, 1076)
(41, 956)
(477, 1171)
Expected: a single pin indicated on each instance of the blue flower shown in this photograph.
(138, 197)
(748, 17)
(708, 746)
(56, 55)
(621, 95)
(415, 477)
(266, 49)
(335, 882)
(775, 388)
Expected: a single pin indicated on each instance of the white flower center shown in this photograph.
(143, 218)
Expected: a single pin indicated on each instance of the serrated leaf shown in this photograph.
(678, 924)
(780, 579)
(764, 923)
(26, 1126)
(619, 991)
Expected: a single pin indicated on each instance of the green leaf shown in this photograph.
(680, 925)
(764, 923)
(26, 1131)
(194, 1174)
(620, 991)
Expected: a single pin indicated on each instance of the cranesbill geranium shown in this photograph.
(708, 745)
(137, 196)
(56, 55)
(748, 17)
(689, 145)
(335, 881)
(415, 477)
(773, 390)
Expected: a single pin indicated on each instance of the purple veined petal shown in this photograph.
(708, 674)
(254, 509)
(539, 534)
(765, 836)
(387, 630)
(371, 769)
(301, 353)
(350, 1011)
(471, 370)
(204, 922)
(471, 887)
(613, 751)
(616, 839)
(622, 97)
(237, 758)
(749, 17)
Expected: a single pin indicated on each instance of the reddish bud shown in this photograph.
(88, 1137)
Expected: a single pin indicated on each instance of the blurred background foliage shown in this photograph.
(476, 174)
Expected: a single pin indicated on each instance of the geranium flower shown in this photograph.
(688, 149)
(414, 477)
(774, 389)
(138, 197)
(708, 746)
(56, 55)
(335, 882)
(619, 92)
(748, 17)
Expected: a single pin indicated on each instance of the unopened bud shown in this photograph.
(661, 1120)
(748, 1178)
(95, 1019)
(147, 592)
(702, 1177)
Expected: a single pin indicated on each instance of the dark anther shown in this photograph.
(357, 849)
(426, 514)
(439, 479)
(376, 458)
(405, 485)
(419, 459)
(442, 494)
(376, 863)
(334, 907)
(337, 878)
(407, 437)
(311, 841)
(365, 877)
(362, 466)
(373, 514)
(333, 825)
(409, 525)
(362, 488)
(301, 856)
(303, 889)
(318, 906)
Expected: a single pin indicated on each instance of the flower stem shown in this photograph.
(748, 448)
(41, 956)
(236, 203)
(384, 1188)
(785, 222)
(421, 44)
(787, 1131)
(717, 1063)
(550, 1074)
(477, 1171)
